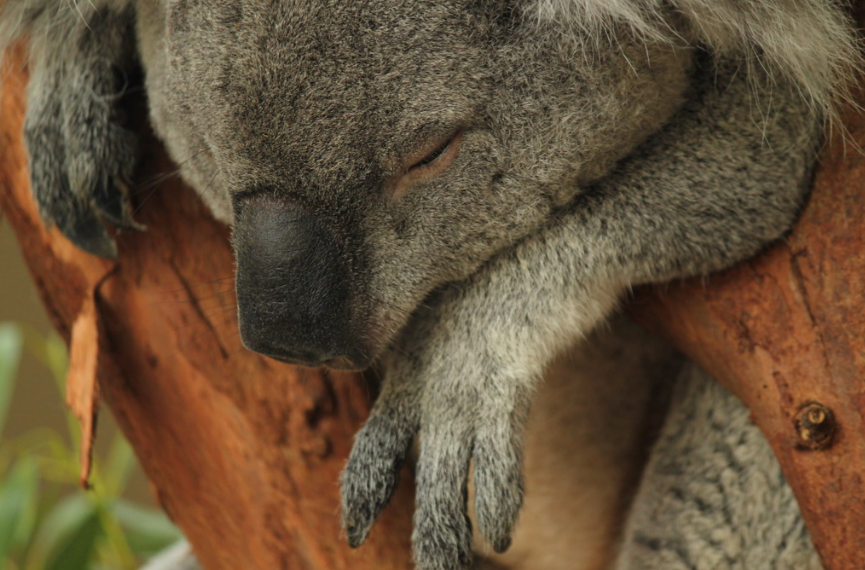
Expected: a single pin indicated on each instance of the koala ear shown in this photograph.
(43, 20)
(22, 17)
(811, 42)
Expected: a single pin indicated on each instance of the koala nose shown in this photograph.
(292, 285)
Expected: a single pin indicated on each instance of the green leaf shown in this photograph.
(67, 516)
(18, 504)
(147, 530)
(10, 354)
(76, 550)
(57, 359)
(118, 466)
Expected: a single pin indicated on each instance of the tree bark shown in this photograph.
(245, 453)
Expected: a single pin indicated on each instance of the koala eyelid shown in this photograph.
(432, 163)
(431, 157)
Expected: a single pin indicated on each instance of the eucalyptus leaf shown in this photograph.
(57, 356)
(18, 504)
(10, 355)
(147, 530)
(69, 514)
(118, 466)
(78, 547)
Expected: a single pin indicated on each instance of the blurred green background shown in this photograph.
(46, 520)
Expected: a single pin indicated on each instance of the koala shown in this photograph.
(464, 191)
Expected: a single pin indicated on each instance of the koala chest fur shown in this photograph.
(462, 191)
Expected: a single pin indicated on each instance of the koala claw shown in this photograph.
(460, 424)
(372, 473)
(111, 202)
(81, 226)
(442, 530)
(81, 219)
(498, 486)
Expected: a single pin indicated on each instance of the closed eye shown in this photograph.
(430, 163)
(432, 157)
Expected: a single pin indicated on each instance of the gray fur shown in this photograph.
(81, 156)
(806, 40)
(713, 495)
(739, 175)
(599, 150)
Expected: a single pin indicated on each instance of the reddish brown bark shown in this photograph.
(244, 452)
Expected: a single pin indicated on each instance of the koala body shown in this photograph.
(464, 189)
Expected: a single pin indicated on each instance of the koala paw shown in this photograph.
(466, 412)
(81, 157)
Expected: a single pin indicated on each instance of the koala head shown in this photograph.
(369, 151)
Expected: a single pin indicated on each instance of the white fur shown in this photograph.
(44, 20)
(809, 41)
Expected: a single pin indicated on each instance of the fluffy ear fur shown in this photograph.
(812, 42)
(44, 20)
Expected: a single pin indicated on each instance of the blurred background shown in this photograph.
(47, 522)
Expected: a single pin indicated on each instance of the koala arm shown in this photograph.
(81, 155)
(723, 179)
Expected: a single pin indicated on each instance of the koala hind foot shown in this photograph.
(81, 156)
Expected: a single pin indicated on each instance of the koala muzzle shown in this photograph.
(293, 291)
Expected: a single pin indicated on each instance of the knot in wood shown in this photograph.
(815, 425)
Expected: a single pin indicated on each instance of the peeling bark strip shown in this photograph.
(244, 452)
(82, 387)
(82, 390)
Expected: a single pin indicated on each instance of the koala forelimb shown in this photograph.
(464, 372)
(81, 155)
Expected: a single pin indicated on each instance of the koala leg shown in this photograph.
(713, 495)
(81, 155)
(724, 178)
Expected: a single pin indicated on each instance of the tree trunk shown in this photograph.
(245, 453)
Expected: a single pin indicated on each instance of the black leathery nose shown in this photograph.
(292, 283)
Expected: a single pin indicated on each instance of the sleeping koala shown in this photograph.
(464, 190)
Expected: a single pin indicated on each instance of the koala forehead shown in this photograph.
(325, 91)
